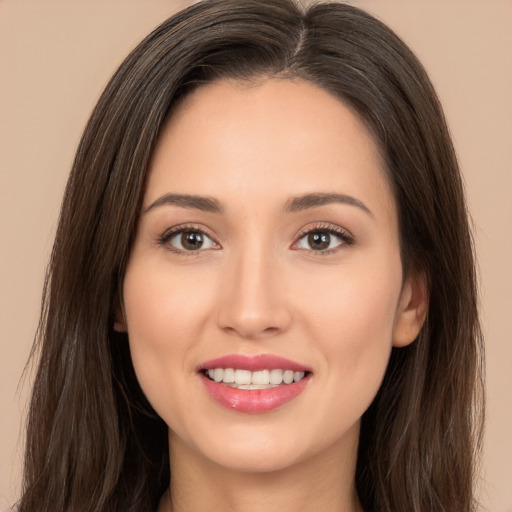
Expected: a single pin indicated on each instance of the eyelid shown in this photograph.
(346, 237)
(173, 231)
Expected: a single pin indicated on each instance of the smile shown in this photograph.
(253, 384)
(261, 379)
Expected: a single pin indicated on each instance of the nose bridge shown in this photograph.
(253, 303)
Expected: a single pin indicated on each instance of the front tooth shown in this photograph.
(260, 377)
(276, 377)
(229, 376)
(298, 376)
(218, 374)
(243, 376)
(288, 377)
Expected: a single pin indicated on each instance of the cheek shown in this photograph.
(161, 305)
(356, 299)
(352, 322)
(163, 320)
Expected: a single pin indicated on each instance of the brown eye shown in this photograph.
(323, 240)
(319, 241)
(190, 240)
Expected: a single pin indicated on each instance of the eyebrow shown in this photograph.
(319, 199)
(203, 203)
(295, 204)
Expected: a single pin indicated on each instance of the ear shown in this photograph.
(119, 316)
(412, 309)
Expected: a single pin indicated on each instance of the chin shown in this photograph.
(269, 449)
(258, 458)
(244, 449)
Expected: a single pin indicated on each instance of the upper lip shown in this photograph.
(253, 363)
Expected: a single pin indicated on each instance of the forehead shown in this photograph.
(277, 136)
(271, 104)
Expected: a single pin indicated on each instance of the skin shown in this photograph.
(259, 287)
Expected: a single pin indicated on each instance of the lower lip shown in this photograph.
(254, 400)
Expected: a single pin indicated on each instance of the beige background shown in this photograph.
(55, 58)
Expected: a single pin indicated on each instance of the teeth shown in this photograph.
(229, 376)
(241, 376)
(288, 377)
(276, 376)
(298, 376)
(260, 379)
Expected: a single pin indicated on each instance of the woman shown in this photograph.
(262, 290)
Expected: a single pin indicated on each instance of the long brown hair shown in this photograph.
(93, 441)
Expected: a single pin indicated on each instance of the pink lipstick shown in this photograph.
(253, 384)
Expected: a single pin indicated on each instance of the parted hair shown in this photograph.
(94, 444)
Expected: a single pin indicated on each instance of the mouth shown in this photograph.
(253, 384)
(260, 379)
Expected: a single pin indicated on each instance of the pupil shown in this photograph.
(191, 240)
(319, 241)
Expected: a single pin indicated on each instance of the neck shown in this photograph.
(324, 483)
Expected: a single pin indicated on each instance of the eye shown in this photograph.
(183, 240)
(323, 240)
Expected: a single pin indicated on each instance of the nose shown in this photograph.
(253, 302)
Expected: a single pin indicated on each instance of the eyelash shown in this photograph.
(168, 235)
(347, 240)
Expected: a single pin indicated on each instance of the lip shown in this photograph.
(253, 363)
(253, 401)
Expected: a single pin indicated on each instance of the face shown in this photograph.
(264, 290)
